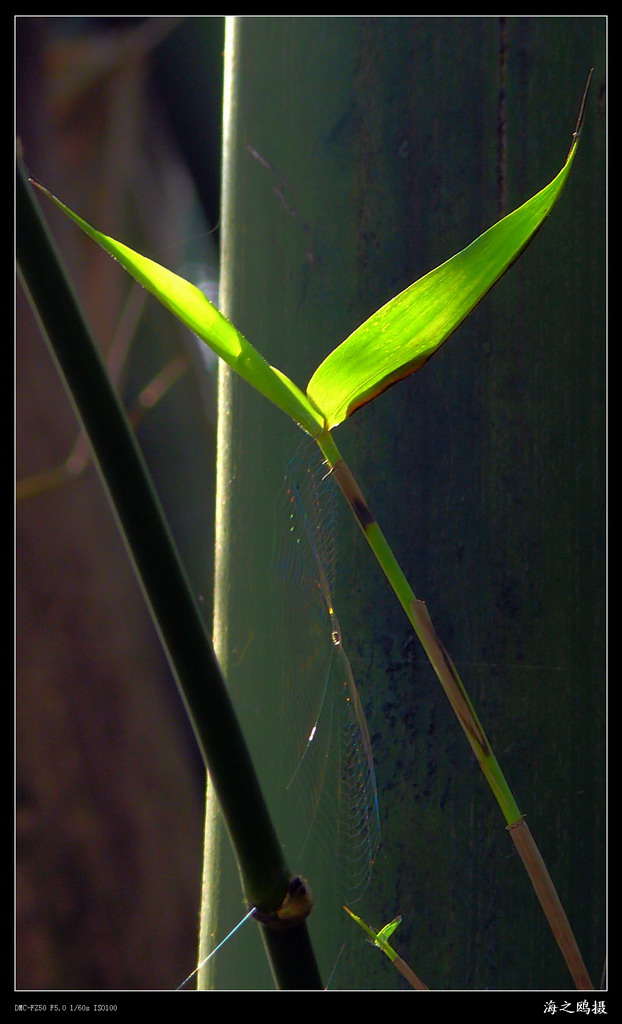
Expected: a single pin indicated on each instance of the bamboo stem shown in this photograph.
(442, 664)
(550, 902)
(448, 676)
(259, 854)
(409, 974)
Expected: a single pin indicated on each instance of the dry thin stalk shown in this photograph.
(550, 902)
(448, 676)
(409, 974)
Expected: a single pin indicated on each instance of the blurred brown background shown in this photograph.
(109, 782)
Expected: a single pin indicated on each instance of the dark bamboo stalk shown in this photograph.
(265, 877)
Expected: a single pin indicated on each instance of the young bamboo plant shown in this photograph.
(380, 939)
(394, 342)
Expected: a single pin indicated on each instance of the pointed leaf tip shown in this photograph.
(194, 309)
(402, 335)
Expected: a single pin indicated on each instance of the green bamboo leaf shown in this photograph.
(380, 938)
(401, 336)
(397, 340)
(385, 933)
(195, 310)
